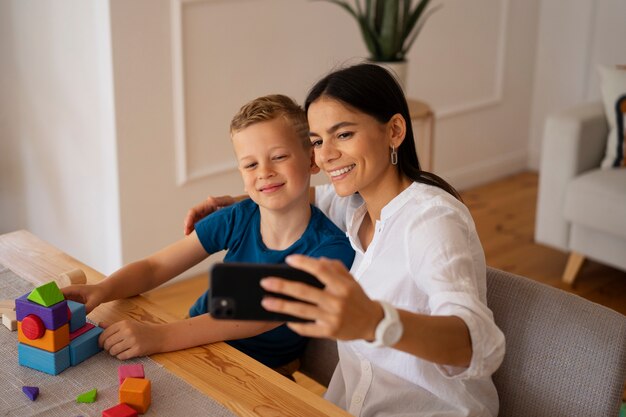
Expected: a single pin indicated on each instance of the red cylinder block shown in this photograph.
(33, 327)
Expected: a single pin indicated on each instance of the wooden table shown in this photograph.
(424, 122)
(235, 380)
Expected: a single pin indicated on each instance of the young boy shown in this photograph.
(275, 158)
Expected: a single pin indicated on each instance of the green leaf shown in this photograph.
(414, 17)
(418, 29)
(370, 38)
(388, 27)
(359, 9)
(388, 31)
(370, 12)
(378, 18)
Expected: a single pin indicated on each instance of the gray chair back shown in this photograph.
(565, 356)
(320, 360)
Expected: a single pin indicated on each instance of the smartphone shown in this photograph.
(236, 292)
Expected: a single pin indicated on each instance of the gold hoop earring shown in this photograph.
(394, 155)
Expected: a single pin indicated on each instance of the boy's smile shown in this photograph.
(271, 188)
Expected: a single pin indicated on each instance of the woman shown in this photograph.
(415, 336)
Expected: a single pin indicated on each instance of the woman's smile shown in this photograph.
(337, 173)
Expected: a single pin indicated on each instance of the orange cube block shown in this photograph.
(136, 393)
(52, 340)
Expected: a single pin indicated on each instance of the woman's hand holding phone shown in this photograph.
(341, 310)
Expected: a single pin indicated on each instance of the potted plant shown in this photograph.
(389, 28)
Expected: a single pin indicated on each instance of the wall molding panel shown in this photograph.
(191, 166)
(495, 96)
(184, 172)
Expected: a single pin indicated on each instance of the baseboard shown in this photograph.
(486, 171)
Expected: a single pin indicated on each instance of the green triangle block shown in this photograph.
(46, 295)
(87, 397)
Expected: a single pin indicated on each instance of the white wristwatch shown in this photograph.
(389, 330)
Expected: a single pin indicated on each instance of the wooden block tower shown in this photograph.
(52, 332)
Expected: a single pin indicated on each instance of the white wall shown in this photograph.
(144, 90)
(473, 63)
(228, 53)
(58, 173)
(575, 36)
(179, 80)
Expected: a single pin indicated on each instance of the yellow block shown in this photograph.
(52, 340)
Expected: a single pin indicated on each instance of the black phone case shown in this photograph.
(236, 293)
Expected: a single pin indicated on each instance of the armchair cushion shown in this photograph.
(597, 199)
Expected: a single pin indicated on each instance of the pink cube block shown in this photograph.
(130, 371)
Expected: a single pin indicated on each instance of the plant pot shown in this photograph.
(397, 68)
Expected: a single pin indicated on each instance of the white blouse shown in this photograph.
(425, 257)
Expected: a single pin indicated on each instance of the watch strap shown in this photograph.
(391, 318)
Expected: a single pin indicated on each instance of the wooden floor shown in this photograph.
(504, 213)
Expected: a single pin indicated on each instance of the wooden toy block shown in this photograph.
(130, 371)
(31, 392)
(51, 363)
(52, 340)
(32, 327)
(78, 318)
(6, 306)
(85, 346)
(46, 294)
(52, 317)
(82, 330)
(6, 310)
(120, 410)
(87, 397)
(136, 393)
(9, 320)
(73, 277)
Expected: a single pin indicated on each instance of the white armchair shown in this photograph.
(581, 208)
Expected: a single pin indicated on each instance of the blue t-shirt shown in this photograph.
(237, 228)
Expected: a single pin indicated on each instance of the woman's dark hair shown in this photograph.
(374, 91)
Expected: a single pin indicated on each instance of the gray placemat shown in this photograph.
(171, 396)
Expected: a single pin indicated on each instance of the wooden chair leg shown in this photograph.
(574, 263)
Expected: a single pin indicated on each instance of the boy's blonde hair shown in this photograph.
(271, 107)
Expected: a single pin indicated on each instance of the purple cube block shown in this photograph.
(52, 317)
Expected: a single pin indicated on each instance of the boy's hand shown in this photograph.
(90, 295)
(205, 208)
(127, 339)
